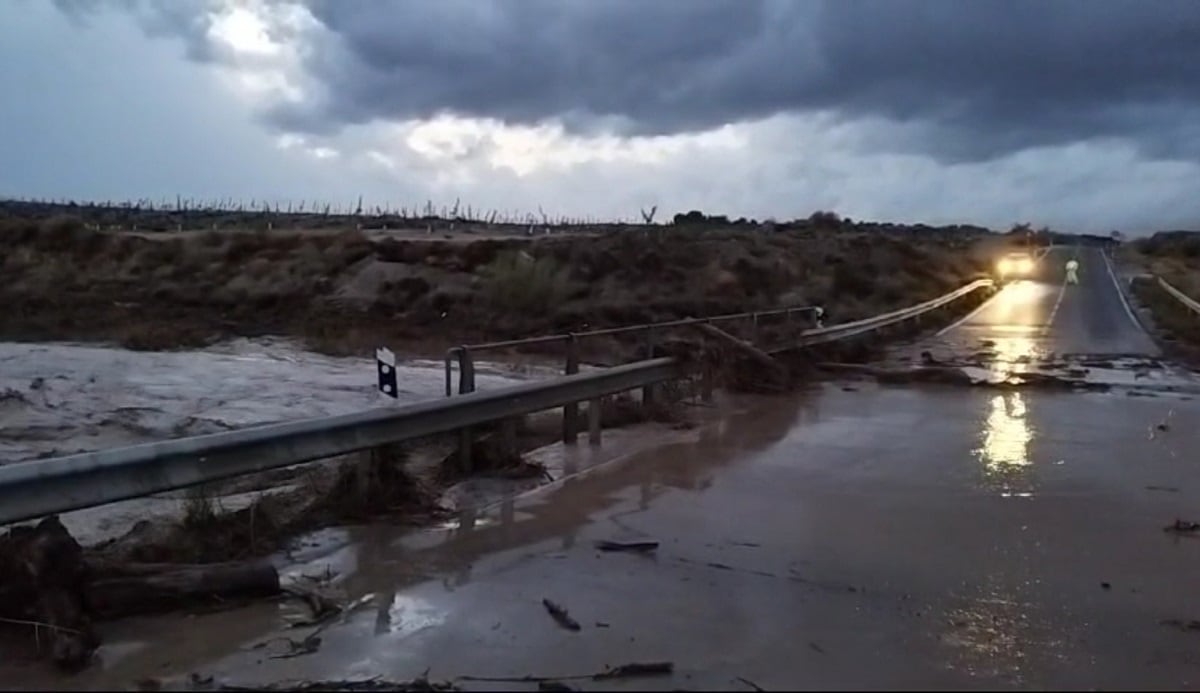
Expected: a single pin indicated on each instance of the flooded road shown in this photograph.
(849, 536)
(878, 537)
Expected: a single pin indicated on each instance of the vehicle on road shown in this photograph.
(1015, 265)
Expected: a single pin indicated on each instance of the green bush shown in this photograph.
(516, 281)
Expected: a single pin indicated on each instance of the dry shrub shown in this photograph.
(517, 282)
(1169, 314)
(489, 458)
(374, 483)
(850, 279)
(206, 534)
(18, 231)
(212, 239)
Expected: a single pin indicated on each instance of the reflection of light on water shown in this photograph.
(991, 636)
(1005, 448)
(1006, 434)
(1013, 355)
(468, 523)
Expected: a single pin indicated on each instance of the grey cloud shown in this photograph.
(975, 79)
(971, 80)
(1036, 86)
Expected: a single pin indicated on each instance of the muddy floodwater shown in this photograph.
(951, 537)
(58, 399)
(61, 399)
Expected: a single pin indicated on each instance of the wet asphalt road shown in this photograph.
(1090, 318)
(851, 536)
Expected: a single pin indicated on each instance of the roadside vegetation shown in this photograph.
(1175, 257)
(345, 290)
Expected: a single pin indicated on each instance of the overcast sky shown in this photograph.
(1080, 114)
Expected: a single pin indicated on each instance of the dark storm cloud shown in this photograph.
(977, 78)
(974, 79)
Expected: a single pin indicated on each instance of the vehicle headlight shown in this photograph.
(1004, 266)
(1026, 266)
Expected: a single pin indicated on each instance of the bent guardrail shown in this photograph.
(464, 356)
(851, 329)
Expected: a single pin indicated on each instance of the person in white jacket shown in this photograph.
(1072, 271)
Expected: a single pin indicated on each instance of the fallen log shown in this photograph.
(49, 585)
(756, 354)
(42, 585)
(119, 591)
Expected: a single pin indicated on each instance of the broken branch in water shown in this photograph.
(639, 546)
(631, 670)
(560, 615)
(1182, 527)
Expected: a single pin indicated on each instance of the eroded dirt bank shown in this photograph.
(347, 292)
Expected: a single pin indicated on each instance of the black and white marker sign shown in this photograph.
(385, 362)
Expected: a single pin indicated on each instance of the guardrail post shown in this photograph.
(466, 385)
(594, 410)
(706, 382)
(466, 371)
(571, 411)
(754, 328)
(465, 441)
(450, 356)
(648, 391)
(508, 434)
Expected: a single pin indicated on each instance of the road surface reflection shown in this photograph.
(1006, 432)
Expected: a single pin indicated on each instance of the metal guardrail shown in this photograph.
(1183, 298)
(851, 329)
(34, 489)
(464, 355)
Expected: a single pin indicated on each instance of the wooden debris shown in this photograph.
(631, 670)
(636, 669)
(634, 546)
(1182, 527)
(560, 615)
